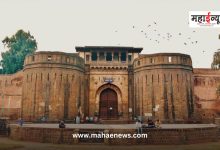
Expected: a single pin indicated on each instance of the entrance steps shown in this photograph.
(116, 121)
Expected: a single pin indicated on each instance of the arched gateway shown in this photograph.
(108, 107)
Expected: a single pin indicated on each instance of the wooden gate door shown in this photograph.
(108, 107)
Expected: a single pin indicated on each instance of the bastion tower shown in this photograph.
(53, 86)
(163, 86)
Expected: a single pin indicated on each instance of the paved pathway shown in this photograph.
(117, 126)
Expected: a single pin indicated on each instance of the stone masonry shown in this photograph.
(58, 85)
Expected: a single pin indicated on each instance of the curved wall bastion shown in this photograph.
(166, 136)
(52, 81)
(164, 86)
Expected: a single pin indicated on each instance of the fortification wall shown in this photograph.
(10, 95)
(163, 86)
(53, 86)
(206, 89)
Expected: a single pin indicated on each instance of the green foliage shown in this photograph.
(19, 45)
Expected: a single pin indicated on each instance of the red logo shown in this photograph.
(208, 17)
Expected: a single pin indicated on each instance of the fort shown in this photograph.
(114, 83)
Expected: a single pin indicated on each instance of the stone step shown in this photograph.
(116, 122)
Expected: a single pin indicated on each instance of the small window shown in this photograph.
(101, 56)
(129, 58)
(169, 59)
(115, 57)
(94, 56)
(151, 60)
(138, 63)
(87, 58)
(109, 56)
(123, 56)
(49, 58)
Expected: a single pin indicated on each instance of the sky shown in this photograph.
(156, 25)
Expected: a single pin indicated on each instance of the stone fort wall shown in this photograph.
(56, 85)
(53, 86)
(163, 86)
(206, 90)
(10, 94)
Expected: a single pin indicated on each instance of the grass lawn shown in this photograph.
(7, 144)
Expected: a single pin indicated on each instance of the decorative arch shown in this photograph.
(102, 88)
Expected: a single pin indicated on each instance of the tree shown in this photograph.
(216, 60)
(19, 45)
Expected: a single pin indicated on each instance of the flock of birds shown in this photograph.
(159, 37)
